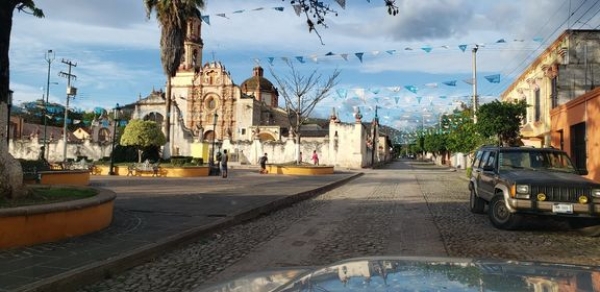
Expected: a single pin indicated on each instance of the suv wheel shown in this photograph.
(586, 227)
(500, 216)
(476, 204)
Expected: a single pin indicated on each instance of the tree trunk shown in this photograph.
(11, 174)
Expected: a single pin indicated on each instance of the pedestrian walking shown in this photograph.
(224, 159)
(315, 158)
(263, 164)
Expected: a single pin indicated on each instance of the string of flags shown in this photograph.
(375, 53)
(297, 9)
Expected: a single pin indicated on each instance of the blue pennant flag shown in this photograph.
(391, 52)
(329, 54)
(374, 90)
(238, 11)
(493, 78)
(426, 49)
(300, 59)
(462, 47)
(271, 59)
(278, 8)
(376, 99)
(442, 96)
(501, 41)
(450, 83)
(397, 98)
(206, 19)
(538, 39)
(411, 88)
(419, 99)
(359, 56)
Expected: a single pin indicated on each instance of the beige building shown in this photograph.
(568, 68)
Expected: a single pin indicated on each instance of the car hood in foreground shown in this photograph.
(419, 274)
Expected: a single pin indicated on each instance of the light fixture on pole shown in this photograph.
(116, 119)
(475, 83)
(49, 58)
(8, 105)
(71, 92)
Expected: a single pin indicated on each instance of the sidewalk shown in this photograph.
(153, 216)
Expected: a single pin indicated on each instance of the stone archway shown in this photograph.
(209, 135)
(265, 137)
(155, 117)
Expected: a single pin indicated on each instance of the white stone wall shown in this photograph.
(30, 150)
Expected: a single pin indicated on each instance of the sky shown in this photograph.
(405, 64)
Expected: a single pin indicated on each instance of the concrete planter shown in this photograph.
(29, 225)
(191, 171)
(61, 177)
(299, 170)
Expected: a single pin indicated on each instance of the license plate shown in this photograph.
(562, 208)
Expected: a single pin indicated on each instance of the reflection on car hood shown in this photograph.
(547, 176)
(420, 274)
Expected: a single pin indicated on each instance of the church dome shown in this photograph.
(257, 82)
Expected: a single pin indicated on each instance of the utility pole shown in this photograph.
(71, 92)
(475, 84)
(49, 58)
(373, 143)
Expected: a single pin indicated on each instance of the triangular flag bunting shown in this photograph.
(375, 53)
(391, 52)
(345, 56)
(279, 8)
(538, 39)
(394, 89)
(442, 97)
(501, 41)
(238, 11)
(359, 56)
(342, 3)
(469, 81)
(493, 78)
(419, 99)
(258, 9)
(297, 9)
(376, 99)
(397, 98)
(271, 59)
(222, 15)
(374, 90)
(450, 83)
(300, 59)
(206, 18)
(342, 93)
(329, 54)
(462, 47)
(426, 49)
(411, 88)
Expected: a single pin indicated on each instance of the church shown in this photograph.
(206, 103)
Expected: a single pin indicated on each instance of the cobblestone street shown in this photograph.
(385, 212)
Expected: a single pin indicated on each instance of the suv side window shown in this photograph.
(477, 158)
(491, 161)
(484, 158)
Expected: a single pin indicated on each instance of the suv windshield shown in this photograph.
(535, 160)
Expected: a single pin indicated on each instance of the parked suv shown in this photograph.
(518, 181)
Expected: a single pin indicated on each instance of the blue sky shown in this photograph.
(117, 49)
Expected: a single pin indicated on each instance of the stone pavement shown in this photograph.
(152, 216)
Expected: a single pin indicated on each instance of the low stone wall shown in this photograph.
(299, 170)
(192, 171)
(29, 225)
(59, 177)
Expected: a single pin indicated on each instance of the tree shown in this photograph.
(501, 120)
(142, 135)
(462, 135)
(11, 174)
(172, 16)
(316, 11)
(302, 94)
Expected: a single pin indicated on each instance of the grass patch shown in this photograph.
(47, 195)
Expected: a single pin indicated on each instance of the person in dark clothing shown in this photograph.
(224, 159)
(263, 164)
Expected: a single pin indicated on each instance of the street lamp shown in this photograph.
(49, 58)
(8, 105)
(112, 152)
(211, 160)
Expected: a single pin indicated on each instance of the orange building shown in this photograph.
(575, 128)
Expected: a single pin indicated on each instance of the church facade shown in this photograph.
(206, 103)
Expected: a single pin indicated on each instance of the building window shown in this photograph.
(244, 131)
(538, 111)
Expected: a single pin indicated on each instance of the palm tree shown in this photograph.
(172, 16)
(11, 174)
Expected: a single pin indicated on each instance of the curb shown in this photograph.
(74, 279)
